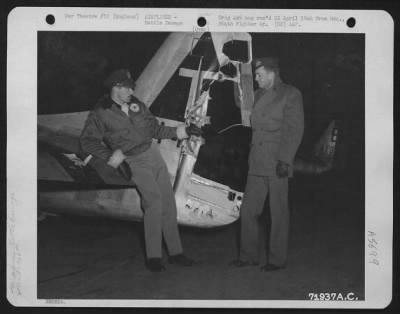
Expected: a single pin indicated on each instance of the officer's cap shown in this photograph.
(270, 63)
(120, 77)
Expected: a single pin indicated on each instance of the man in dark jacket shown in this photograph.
(277, 123)
(119, 130)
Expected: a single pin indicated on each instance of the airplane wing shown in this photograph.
(58, 157)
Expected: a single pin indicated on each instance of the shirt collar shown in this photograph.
(116, 107)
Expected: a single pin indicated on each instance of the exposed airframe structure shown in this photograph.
(201, 202)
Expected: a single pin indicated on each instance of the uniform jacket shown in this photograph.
(108, 128)
(277, 122)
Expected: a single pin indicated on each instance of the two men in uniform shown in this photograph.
(127, 127)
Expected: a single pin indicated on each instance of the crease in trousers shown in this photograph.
(253, 237)
(150, 174)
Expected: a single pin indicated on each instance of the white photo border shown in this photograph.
(23, 25)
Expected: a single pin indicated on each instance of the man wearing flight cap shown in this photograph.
(119, 130)
(277, 123)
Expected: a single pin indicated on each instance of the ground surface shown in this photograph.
(93, 258)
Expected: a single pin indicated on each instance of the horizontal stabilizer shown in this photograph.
(55, 164)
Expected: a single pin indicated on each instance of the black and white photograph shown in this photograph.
(200, 166)
(253, 184)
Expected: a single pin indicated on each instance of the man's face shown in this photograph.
(264, 77)
(124, 93)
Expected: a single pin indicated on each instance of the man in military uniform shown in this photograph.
(277, 123)
(119, 130)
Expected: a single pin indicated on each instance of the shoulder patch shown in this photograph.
(135, 107)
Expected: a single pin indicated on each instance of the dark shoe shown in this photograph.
(180, 259)
(239, 263)
(271, 267)
(155, 265)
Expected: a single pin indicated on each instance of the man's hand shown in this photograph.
(183, 131)
(116, 158)
(282, 169)
(193, 130)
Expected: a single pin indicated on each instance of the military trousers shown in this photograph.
(150, 174)
(253, 236)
